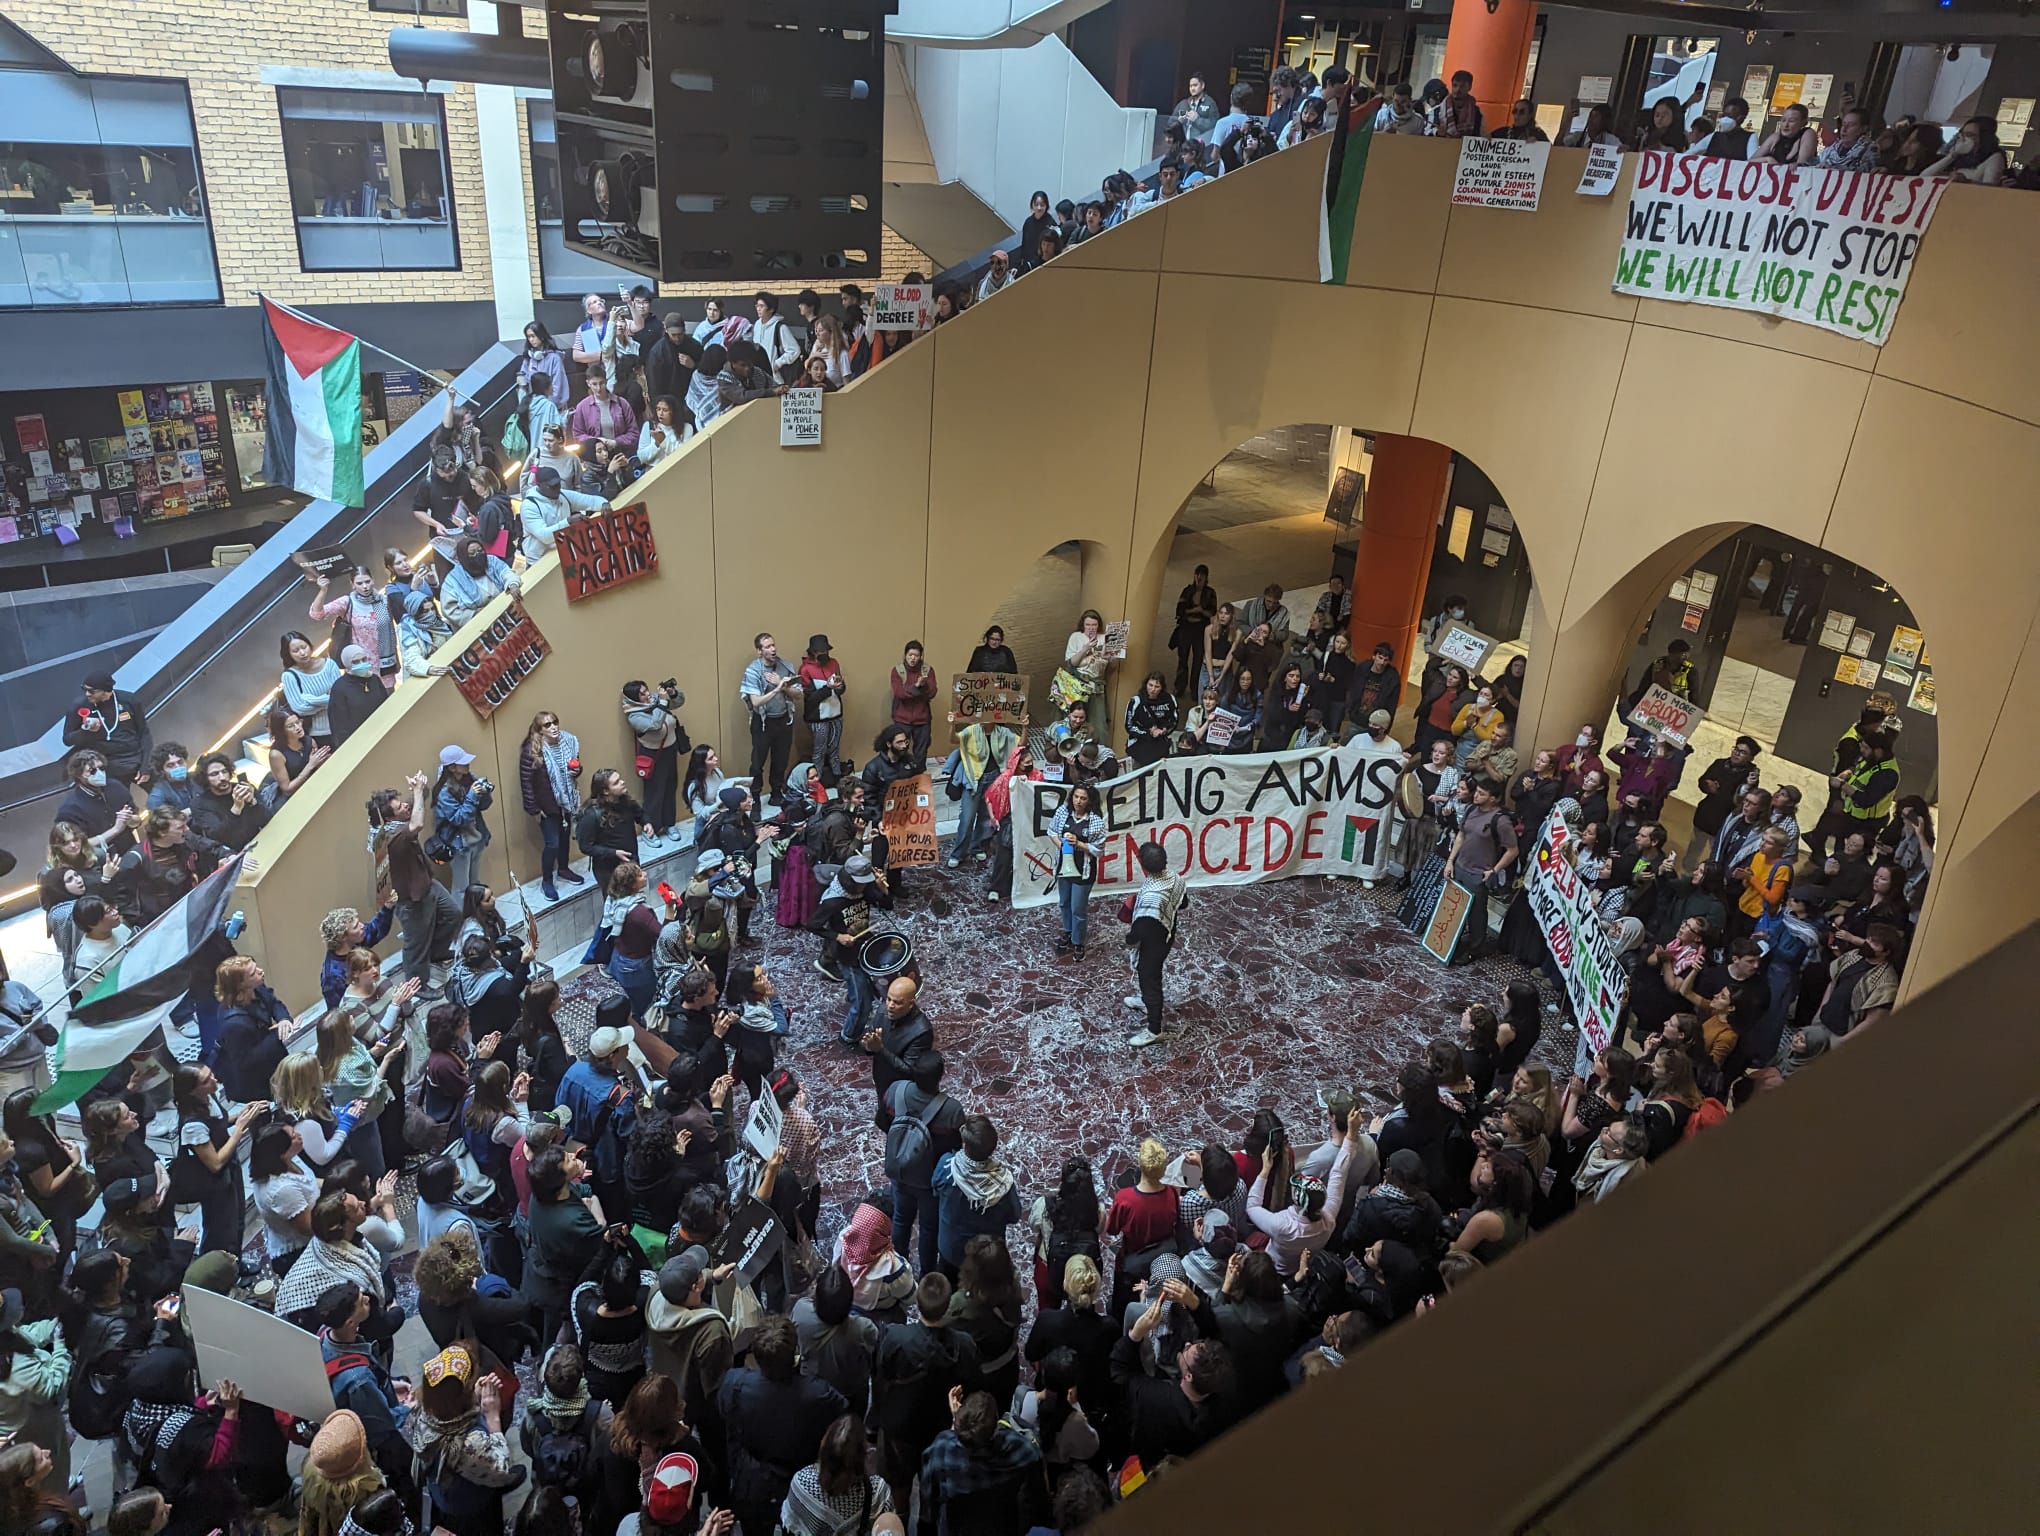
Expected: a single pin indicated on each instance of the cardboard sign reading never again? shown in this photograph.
(597, 553)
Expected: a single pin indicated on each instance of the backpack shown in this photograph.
(1064, 1246)
(94, 1397)
(564, 1458)
(910, 1141)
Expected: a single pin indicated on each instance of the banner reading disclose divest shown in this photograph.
(1826, 248)
(1224, 820)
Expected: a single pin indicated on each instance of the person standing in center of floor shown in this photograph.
(770, 689)
(913, 687)
(1157, 906)
(652, 715)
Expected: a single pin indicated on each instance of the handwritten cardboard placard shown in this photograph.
(1464, 645)
(1115, 636)
(1500, 173)
(908, 822)
(800, 418)
(901, 306)
(327, 560)
(988, 698)
(1602, 170)
(597, 553)
(1667, 716)
(498, 662)
(1441, 933)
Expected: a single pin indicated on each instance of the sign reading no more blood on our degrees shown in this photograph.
(1664, 714)
(1827, 248)
(901, 306)
(800, 418)
(597, 553)
(988, 698)
(1500, 173)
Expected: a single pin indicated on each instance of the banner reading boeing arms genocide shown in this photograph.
(1566, 914)
(1826, 248)
(1224, 820)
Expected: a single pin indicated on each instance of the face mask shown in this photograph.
(96, 778)
(1459, 613)
(177, 773)
(1486, 699)
(1583, 741)
(359, 669)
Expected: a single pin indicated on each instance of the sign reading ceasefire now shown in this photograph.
(597, 553)
(1826, 248)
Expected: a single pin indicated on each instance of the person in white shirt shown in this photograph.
(595, 340)
(832, 349)
(552, 454)
(1399, 114)
(547, 508)
(663, 432)
(101, 933)
(1595, 132)
(776, 338)
(1172, 186)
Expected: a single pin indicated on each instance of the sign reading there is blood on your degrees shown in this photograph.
(908, 822)
(493, 668)
(597, 553)
(988, 698)
(1664, 714)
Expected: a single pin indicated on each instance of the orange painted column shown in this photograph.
(1405, 494)
(1491, 38)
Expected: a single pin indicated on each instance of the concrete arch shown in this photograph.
(1137, 359)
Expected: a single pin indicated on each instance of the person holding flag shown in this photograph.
(312, 433)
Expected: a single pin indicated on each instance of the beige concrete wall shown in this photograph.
(1085, 403)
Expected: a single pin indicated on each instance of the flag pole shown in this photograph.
(418, 368)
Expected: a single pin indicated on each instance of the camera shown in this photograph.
(670, 685)
(482, 783)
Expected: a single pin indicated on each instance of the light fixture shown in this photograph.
(1954, 52)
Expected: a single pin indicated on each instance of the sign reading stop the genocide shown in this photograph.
(908, 822)
(988, 698)
(1664, 714)
(901, 306)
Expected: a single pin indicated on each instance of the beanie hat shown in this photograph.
(340, 1449)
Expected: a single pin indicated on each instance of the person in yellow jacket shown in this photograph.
(1476, 722)
(1767, 877)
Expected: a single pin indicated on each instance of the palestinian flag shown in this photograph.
(312, 438)
(136, 991)
(1344, 168)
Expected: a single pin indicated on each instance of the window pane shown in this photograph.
(367, 179)
(564, 272)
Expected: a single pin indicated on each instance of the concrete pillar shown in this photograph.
(1405, 495)
(503, 191)
(1492, 41)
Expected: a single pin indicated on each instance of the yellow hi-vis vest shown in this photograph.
(1860, 776)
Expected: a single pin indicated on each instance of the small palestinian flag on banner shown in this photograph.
(312, 437)
(1344, 169)
(137, 990)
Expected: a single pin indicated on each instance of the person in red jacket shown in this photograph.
(822, 704)
(913, 687)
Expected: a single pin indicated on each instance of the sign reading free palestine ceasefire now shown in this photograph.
(1826, 248)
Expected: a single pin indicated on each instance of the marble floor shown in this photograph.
(1277, 990)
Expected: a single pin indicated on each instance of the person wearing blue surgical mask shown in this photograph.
(356, 696)
(172, 781)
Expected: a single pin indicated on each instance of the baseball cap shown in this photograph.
(857, 870)
(124, 1195)
(548, 479)
(670, 1495)
(605, 1042)
(101, 681)
(679, 1275)
(455, 757)
(673, 320)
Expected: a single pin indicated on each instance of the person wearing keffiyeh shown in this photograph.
(973, 1193)
(1152, 934)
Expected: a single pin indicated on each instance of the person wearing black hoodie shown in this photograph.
(253, 1021)
(1399, 1208)
(1258, 1324)
(774, 1419)
(112, 724)
(1180, 1414)
(917, 1364)
(358, 694)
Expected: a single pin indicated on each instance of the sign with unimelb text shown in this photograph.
(1224, 820)
(1500, 173)
(1826, 248)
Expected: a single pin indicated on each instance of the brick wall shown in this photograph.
(220, 48)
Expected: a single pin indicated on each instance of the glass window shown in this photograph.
(368, 180)
(564, 271)
(101, 200)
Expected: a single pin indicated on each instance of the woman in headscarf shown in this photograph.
(881, 1281)
(733, 833)
(421, 629)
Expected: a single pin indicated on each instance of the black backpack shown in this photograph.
(1064, 1246)
(564, 1458)
(910, 1141)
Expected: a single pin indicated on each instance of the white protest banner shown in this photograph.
(1663, 713)
(1603, 169)
(1224, 820)
(900, 306)
(800, 418)
(1826, 248)
(762, 1131)
(1567, 915)
(1500, 173)
(276, 1364)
